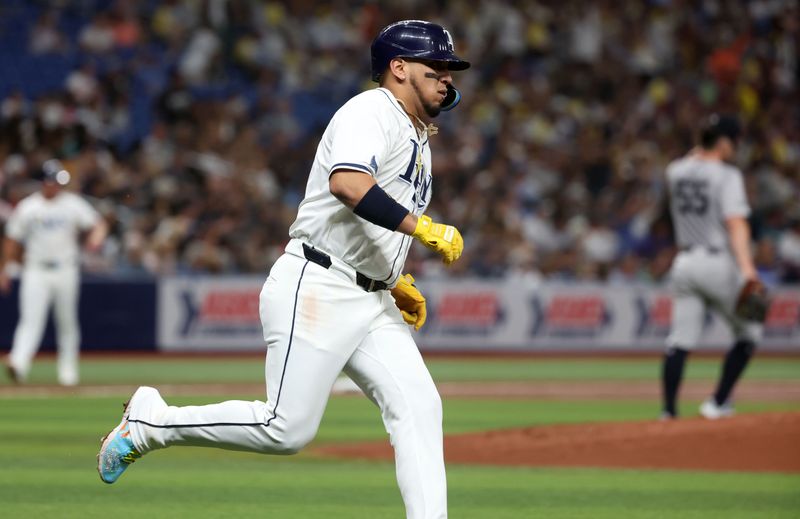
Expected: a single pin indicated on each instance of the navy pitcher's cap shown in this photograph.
(719, 125)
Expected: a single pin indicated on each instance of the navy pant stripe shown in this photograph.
(280, 386)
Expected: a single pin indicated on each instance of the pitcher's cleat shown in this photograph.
(666, 416)
(712, 411)
(116, 449)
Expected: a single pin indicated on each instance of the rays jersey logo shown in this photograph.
(50, 222)
(418, 177)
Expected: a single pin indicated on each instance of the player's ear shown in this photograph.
(726, 146)
(398, 68)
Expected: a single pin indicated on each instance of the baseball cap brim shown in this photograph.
(456, 63)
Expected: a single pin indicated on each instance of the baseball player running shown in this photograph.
(709, 210)
(337, 299)
(48, 225)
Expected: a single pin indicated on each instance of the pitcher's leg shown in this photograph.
(747, 334)
(389, 369)
(687, 322)
(34, 302)
(65, 308)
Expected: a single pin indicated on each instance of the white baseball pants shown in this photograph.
(39, 287)
(318, 322)
(703, 279)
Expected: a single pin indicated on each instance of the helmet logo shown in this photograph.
(449, 40)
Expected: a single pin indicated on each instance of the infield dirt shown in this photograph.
(764, 442)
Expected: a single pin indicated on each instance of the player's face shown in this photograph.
(429, 80)
(50, 189)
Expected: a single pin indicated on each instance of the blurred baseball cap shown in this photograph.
(54, 172)
(720, 125)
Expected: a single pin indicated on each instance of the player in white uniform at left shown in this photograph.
(47, 225)
(337, 299)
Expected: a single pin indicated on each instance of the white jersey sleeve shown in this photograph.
(733, 200)
(358, 140)
(86, 216)
(18, 223)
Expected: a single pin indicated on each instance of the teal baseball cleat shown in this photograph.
(117, 451)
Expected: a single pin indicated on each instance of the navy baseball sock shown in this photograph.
(671, 375)
(735, 362)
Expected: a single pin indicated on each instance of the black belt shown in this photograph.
(323, 260)
(710, 250)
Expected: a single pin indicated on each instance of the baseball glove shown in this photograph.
(753, 301)
(410, 301)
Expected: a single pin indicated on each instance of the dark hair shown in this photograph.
(718, 126)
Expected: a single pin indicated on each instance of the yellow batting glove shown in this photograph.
(410, 301)
(441, 238)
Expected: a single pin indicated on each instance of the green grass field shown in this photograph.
(48, 446)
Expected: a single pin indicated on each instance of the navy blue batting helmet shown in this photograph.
(54, 172)
(413, 39)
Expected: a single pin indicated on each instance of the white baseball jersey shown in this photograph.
(373, 134)
(49, 228)
(703, 194)
(318, 321)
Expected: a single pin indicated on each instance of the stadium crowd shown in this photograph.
(192, 124)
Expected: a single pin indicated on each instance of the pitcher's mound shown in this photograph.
(753, 442)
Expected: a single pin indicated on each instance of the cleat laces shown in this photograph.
(132, 456)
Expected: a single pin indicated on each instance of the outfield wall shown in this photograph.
(209, 313)
(220, 314)
(115, 314)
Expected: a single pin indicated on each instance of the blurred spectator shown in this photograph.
(197, 121)
(125, 26)
(45, 36)
(789, 250)
(82, 84)
(97, 36)
(766, 262)
(627, 270)
(203, 49)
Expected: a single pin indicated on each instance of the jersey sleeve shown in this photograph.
(359, 140)
(733, 198)
(87, 215)
(17, 224)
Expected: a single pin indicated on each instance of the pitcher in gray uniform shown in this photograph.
(709, 210)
